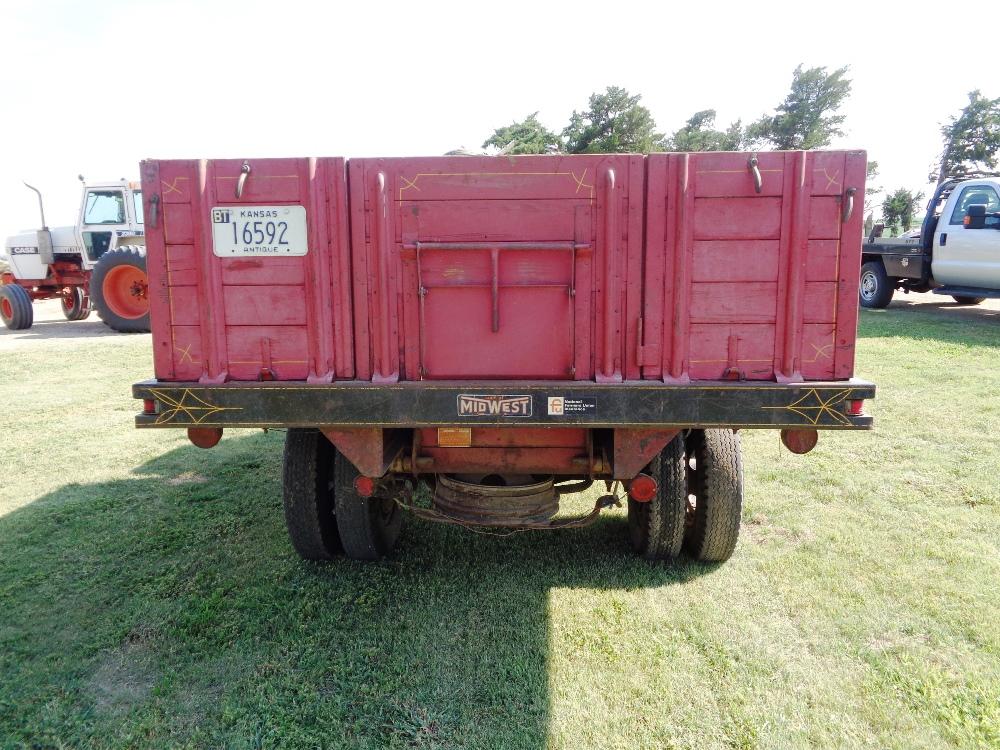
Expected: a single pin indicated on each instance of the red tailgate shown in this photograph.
(498, 268)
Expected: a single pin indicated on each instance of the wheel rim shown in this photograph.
(868, 285)
(126, 292)
(69, 302)
(6, 309)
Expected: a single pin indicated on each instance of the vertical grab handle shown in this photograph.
(241, 181)
(384, 370)
(154, 210)
(758, 182)
(611, 236)
(849, 194)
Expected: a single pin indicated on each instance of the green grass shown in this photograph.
(149, 596)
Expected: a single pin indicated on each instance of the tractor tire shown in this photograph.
(369, 526)
(656, 528)
(875, 290)
(715, 480)
(76, 304)
(961, 299)
(308, 494)
(119, 289)
(15, 307)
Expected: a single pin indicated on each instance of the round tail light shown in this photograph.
(642, 489)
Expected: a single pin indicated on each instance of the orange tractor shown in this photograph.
(99, 263)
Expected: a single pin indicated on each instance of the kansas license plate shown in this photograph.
(259, 230)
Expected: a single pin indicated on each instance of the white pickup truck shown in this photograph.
(957, 252)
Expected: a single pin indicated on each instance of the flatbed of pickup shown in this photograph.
(903, 257)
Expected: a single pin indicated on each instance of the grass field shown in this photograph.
(149, 596)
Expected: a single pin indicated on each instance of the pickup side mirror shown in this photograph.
(975, 216)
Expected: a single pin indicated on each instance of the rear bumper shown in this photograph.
(807, 405)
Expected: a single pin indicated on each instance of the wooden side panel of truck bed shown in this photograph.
(752, 281)
(216, 319)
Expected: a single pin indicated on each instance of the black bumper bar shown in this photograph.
(817, 405)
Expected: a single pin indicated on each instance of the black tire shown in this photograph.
(76, 304)
(961, 299)
(15, 307)
(656, 528)
(105, 296)
(369, 526)
(875, 290)
(308, 488)
(715, 479)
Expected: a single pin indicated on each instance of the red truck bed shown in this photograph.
(586, 268)
(565, 315)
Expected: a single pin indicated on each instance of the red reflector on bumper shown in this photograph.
(148, 406)
(205, 437)
(856, 408)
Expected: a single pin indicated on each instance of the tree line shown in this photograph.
(809, 117)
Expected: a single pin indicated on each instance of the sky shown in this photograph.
(93, 87)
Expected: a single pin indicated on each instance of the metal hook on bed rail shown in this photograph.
(758, 182)
(244, 173)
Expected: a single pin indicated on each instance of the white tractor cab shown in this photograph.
(100, 262)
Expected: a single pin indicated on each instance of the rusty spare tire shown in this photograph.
(119, 290)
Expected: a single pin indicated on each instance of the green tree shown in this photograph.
(899, 208)
(808, 117)
(526, 137)
(971, 139)
(615, 122)
(699, 134)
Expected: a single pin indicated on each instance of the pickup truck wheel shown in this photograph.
(875, 291)
(963, 300)
(656, 528)
(715, 481)
(308, 488)
(15, 307)
(119, 289)
(76, 304)
(369, 526)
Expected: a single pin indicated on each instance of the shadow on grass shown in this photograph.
(171, 609)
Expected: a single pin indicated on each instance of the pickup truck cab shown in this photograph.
(957, 252)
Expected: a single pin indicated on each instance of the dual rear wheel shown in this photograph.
(323, 512)
(699, 500)
(696, 509)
